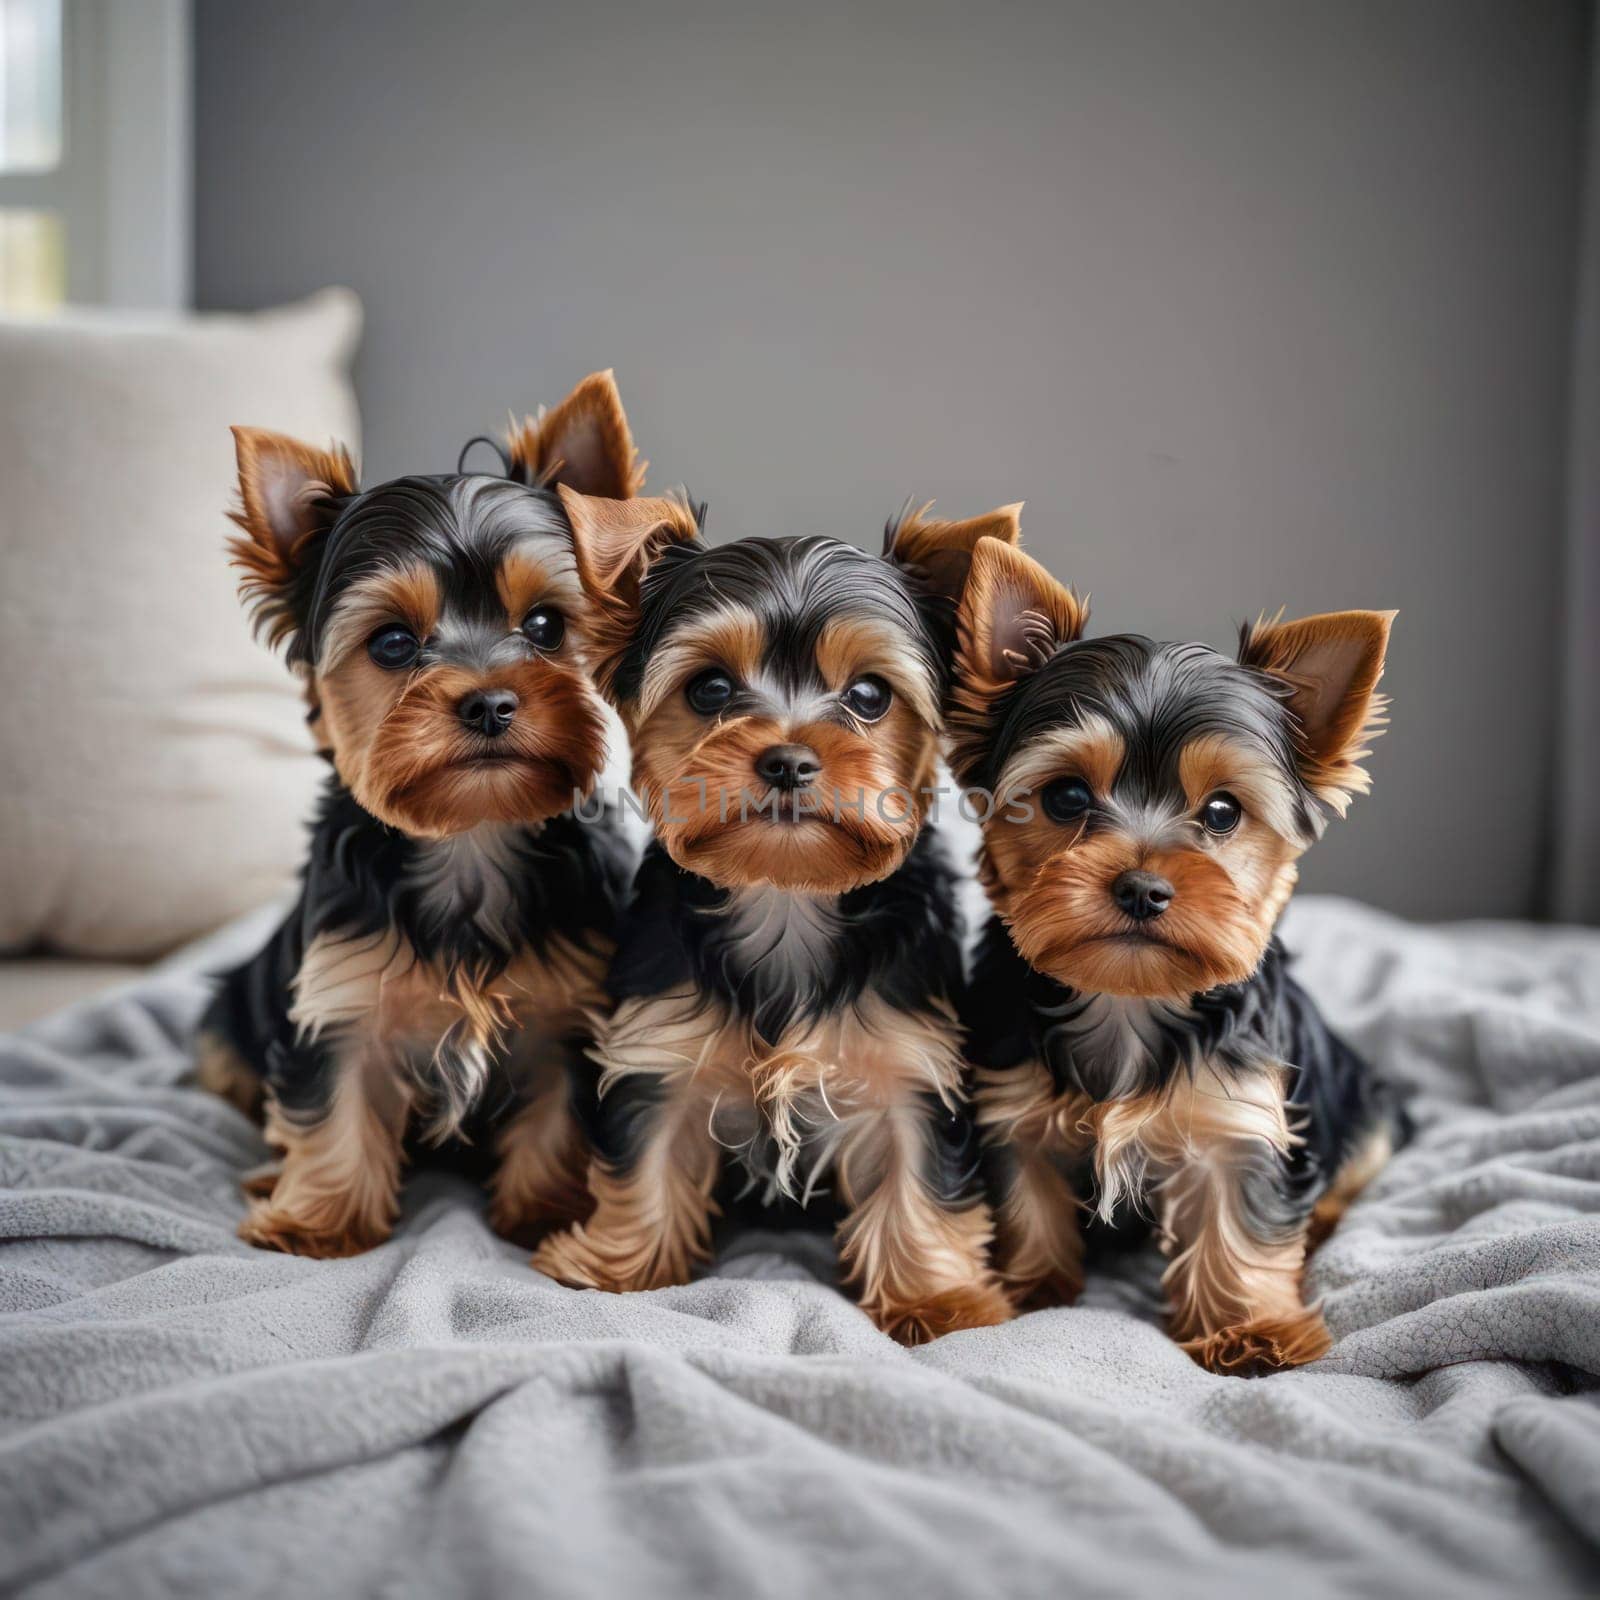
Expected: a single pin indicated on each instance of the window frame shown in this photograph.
(124, 200)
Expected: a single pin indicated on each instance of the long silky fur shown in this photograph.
(798, 1024)
(1115, 1060)
(366, 882)
(369, 885)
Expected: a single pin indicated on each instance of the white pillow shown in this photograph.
(155, 769)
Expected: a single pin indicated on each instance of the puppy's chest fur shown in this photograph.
(455, 970)
(443, 960)
(1135, 1086)
(1111, 1047)
(800, 1017)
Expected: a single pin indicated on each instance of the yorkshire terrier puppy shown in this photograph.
(1137, 1034)
(786, 978)
(450, 941)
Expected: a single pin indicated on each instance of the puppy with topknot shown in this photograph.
(1142, 1048)
(787, 977)
(436, 980)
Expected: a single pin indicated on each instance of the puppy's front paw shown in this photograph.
(1040, 1294)
(1266, 1344)
(527, 1220)
(571, 1258)
(977, 1305)
(514, 1223)
(259, 1182)
(271, 1228)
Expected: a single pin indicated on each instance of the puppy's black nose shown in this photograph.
(1142, 895)
(488, 711)
(788, 766)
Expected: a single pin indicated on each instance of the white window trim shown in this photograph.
(124, 184)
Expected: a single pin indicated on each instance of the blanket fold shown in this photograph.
(180, 1413)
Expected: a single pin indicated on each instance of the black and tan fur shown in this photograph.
(437, 977)
(1139, 1040)
(787, 980)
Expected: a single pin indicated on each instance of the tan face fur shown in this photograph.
(396, 737)
(462, 565)
(696, 774)
(1156, 739)
(793, 625)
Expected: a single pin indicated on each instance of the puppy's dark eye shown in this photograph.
(393, 647)
(1220, 814)
(544, 627)
(1066, 800)
(868, 698)
(709, 691)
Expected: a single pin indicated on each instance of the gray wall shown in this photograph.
(1256, 305)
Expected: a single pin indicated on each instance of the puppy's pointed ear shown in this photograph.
(289, 497)
(938, 554)
(1328, 667)
(616, 542)
(1012, 618)
(583, 443)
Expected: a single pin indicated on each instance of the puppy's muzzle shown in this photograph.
(1143, 896)
(489, 712)
(787, 767)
